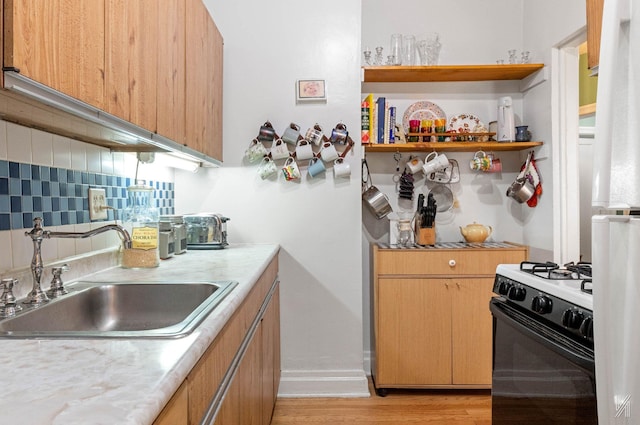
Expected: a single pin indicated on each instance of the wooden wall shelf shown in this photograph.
(451, 146)
(444, 73)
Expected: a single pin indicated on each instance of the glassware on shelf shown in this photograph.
(512, 56)
(367, 56)
(428, 47)
(378, 60)
(525, 57)
(396, 49)
(409, 55)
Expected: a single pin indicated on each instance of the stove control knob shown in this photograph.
(541, 304)
(517, 293)
(503, 288)
(572, 319)
(586, 328)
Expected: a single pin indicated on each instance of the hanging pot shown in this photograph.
(373, 198)
(522, 189)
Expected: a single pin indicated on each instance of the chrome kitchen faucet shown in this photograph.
(37, 296)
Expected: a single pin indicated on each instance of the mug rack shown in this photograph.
(267, 138)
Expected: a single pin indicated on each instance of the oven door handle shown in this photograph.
(553, 340)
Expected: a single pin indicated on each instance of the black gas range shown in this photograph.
(543, 359)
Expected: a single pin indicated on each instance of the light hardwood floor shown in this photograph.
(414, 407)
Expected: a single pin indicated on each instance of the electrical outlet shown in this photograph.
(97, 204)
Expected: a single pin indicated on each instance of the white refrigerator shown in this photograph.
(616, 238)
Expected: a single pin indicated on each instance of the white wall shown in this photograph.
(544, 31)
(318, 223)
(268, 46)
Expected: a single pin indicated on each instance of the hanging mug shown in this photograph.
(291, 134)
(315, 167)
(267, 168)
(314, 135)
(480, 162)
(328, 153)
(255, 151)
(304, 150)
(341, 168)
(339, 134)
(279, 150)
(434, 162)
(290, 169)
(415, 165)
(267, 133)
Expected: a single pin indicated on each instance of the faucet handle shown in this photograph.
(8, 306)
(57, 287)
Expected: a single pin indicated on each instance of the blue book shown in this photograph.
(392, 124)
(381, 102)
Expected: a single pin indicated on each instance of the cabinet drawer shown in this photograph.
(446, 262)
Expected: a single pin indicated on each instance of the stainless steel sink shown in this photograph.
(120, 309)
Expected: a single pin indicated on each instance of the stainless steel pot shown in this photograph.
(377, 202)
(373, 198)
(522, 189)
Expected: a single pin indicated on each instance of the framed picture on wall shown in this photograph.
(311, 91)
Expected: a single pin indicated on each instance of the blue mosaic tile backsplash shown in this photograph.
(61, 196)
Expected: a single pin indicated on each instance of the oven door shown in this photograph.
(539, 375)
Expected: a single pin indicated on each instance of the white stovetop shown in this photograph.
(121, 381)
(568, 290)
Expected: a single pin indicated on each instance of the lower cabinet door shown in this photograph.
(472, 331)
(413, 332)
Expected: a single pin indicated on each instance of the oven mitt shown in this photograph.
(534, 178)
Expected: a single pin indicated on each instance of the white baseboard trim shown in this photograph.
(323, 383)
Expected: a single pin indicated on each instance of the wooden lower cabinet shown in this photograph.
(239, 374)
(434, 330)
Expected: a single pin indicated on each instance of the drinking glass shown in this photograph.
(409, 57)
(396, 49)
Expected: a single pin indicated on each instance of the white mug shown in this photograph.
(267, 167)
(290, 169)
(435, 162)
(328, 153)
(314, 135)
(255, 151)
(279, 150)
(341, 168)
(415, 165)
(304, 150)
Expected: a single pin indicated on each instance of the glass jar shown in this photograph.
(141, 220)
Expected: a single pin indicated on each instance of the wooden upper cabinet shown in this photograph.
(203, 81)
(171, 70)
(594, 29)
(59, 43)
(132, 60)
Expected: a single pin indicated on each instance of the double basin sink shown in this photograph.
(120, 310)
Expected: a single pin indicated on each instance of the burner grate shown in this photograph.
(535, 267)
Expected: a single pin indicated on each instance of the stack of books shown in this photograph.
(378, 121)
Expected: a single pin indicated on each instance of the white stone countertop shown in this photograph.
(121, 381)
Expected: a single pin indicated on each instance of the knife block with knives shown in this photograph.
(425, 221)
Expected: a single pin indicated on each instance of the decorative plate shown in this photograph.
(423, 110)
(464, 123)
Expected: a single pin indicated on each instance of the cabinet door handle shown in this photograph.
(452, 263)
(446, 285)
(458, 285)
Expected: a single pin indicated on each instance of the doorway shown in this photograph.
(573, 168)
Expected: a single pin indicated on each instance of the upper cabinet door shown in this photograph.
(203, 81)
(594, 28)
(59, 43)
(171, 70)
(132, 60)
